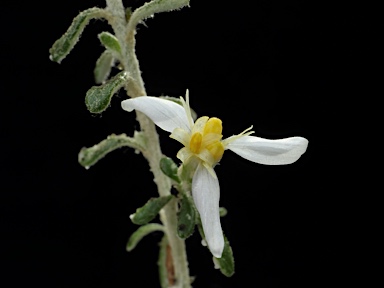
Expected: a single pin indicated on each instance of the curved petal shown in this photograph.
(184, 155)
(166, 114)
(269, 152)
(206, 195)
(181, 135)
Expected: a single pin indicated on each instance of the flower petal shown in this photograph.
(184, 155)
(206, 195)
(181, 135)
(269, 152)
(166, 114)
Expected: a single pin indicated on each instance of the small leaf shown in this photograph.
(150, 210)
(61, 48)
(226, 263)
(162, 262)
(98, 98)
(223, 211)
(169, 168)
(110, 42)
(152, 7)
(141, 232)
(89, 156)
(186, 217)
(103, 67)
(128, 13)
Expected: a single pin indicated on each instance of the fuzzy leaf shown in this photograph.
(110, 42)
(141, 233)
(98, 98)
(61, 48)
(152, 7)
(226, 263)
(169, 168)
(150, 210)
(89, 156)
(103, 67)
(186, 218)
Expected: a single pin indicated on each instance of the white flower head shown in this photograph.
(203, 144)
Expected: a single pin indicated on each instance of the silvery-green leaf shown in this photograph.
(61, 48)
(98, 98)
(186, 218)
(150, 210)
(169, 168)
(141, 233)
(103, 67)
(152, 7)
(110, 42)
(89, 156)
(226, 263)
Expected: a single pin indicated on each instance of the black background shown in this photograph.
(289, 68)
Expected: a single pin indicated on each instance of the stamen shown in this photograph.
(213, 125)
(217, 150)
(195, 142)
(246, 132)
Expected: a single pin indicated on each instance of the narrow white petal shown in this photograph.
(206, 195)
(269, 152)
(166, 114)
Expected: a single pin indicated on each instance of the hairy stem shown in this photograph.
(135, 88)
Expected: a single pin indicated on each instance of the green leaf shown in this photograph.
(162, 262)
(226, 263)
(152, 7)
(186, 218)
(223, 211)
(89, 156)
(150, 210)
(61, 48)
(110, 42)
(169, 168)
(103, 67)
(141, 233)
(128, 13)
(98, 98)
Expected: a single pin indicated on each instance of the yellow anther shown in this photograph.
(217, 150)
(213, 125)
(205, 141)
(195, 142)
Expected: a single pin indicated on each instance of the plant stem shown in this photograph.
(135, 88)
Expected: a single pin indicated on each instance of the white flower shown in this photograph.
(203, 145)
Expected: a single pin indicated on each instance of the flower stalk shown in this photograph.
(152, 152)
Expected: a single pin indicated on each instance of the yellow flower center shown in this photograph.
(209, 139)
(195, 142)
